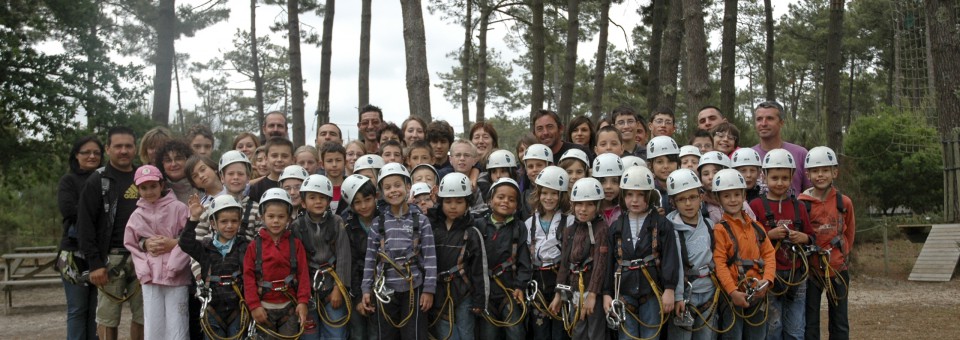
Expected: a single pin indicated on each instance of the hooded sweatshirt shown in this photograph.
(831, 226)
(699, 252)
(165, 217)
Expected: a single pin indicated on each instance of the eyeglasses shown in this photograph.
(687, 200)
(771, 104)
(89, 153)
(291, 187)
(661, 121)
(461, 155)
(422, 199)
(724, 135)
(626, 122)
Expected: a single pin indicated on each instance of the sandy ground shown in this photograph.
(881, 306)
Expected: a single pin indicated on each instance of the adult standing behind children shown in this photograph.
(369, 124)
(85, 157)
(768, 121)
(274, 125)
(107, 200)
(549, 131)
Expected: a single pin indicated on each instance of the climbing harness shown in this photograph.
(573, 300)
(447, 277)
(795, 252)
(282, 286)
(619, 310)
(495, 273)
(383, 293)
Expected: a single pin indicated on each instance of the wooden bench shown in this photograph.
(8, 286)
(28, 270)
(916, 233)
(939, 256)
(40, 249)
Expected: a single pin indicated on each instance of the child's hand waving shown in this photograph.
(196, 209)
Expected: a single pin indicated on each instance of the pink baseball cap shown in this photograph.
(147, 173)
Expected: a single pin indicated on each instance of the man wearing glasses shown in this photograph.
(631, 126)
(768, 120)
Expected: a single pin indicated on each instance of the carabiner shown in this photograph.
(531, 291)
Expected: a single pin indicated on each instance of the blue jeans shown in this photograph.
(517, 332)
(81, 311)
(464, 322)
(222, 330)
(837, 324)
(320, 330)
(787, 312)
(743, 330)
(705, 333)
(648, 312)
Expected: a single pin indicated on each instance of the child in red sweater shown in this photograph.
(275, 271)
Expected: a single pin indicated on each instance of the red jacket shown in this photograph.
(276, 267)
(783, 210)
(830, 223)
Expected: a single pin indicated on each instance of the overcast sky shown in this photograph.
(387, 65)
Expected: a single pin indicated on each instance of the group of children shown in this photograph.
(680, 245)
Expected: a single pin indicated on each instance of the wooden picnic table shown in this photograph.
(28, 269)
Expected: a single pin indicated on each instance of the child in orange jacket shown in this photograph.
(744, 258)
(831, 216)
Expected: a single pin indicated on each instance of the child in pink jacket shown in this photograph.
(164, 277)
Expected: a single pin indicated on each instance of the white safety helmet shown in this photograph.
(319, 184)
(223, 202)
(715, 157)
(455, 184)
(745, 157)
(629, 161)
(728, 179)
(428, 166)
(391, 169)
(538, 151)
(275, 194)
(820, 156)
(661, 146)
(779, 159)
(586, 189)
(607, 165)
(504, 181)
(689, 150)
(637, 178)
(682, 180)
(420, 188)
(501, 159)
(553, 177)
(350, 186)
(294, 172)
(369, 161)
(233, 156)
(576, 154)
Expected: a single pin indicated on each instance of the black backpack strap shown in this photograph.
(736, 245)
(797, 221)
(258, 262)
(683, 250)
(561, 227)
(768, 213)
(293, 259)
(246, 214)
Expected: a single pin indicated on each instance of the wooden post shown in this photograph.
(886, 252)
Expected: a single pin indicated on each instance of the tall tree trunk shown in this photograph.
(538, 58)
(326, 45)
(831, 81)
(728, 59)
(255, 61)
(485, 10)
(659, 19)
(596, 105)
(944, 41)
(771, 80)
(91, 49)
(565, 108)
(695, 69)
(364, 81)
(162, 79)
(670, 55)
(415, 45)
(465, 66)
(296, 72)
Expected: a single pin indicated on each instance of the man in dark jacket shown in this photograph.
(107, 200)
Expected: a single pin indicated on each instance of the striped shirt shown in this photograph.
(399, 243)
